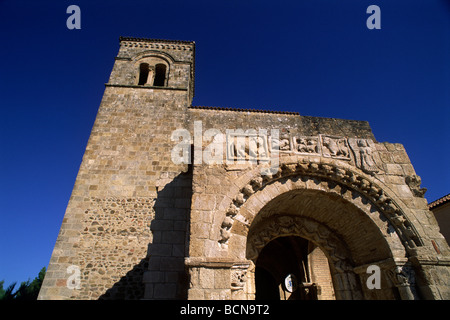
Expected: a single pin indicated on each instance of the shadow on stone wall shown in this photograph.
(130, 286)
(162, 274)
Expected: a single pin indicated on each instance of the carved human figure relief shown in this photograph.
(238, 278)
(239, 147)
(283, 143)
(363, 150)
(255, 146)
(246, 147)
(311, 146)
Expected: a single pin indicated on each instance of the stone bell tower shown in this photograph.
(130, 201)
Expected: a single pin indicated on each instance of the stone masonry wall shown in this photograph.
(220, 190)
(140, 226)
(126, 165)
(320, 274)
(123, 232)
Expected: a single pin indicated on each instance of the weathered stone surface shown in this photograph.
(140, 225)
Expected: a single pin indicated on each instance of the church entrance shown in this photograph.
(292, 268)
(309, 244)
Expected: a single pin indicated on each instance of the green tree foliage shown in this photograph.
(26, 291)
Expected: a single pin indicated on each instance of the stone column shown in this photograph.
(346, 286)
(394, 275)
(403, 278)
(238, 281)
(151, 76)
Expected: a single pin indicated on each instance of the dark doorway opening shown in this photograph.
(282, 270)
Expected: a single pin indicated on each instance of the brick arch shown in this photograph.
(287, 225)
(347, 284)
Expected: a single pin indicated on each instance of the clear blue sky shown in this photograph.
(316, 57)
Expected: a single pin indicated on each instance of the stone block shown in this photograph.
(173, 237)
(404, 191)
(207, 278)
(400, 157)
(394, 169)
(196, 294)
(222, 278)
(203, 202)
(160, 249)
(386, 157)
(153, 276)
(218, 294)
(165, 291)
(172, 264)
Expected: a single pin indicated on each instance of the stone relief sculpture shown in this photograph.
(364, 158)
(414, 182)
(281, 144)
(254, 147)
(335, 147)
(308, 145)
(246, 147)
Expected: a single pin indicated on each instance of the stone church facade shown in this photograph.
(174, 201)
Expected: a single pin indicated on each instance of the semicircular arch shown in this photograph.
(361, 194)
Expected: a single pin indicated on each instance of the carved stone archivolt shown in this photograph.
(346, 177)
(312, 230)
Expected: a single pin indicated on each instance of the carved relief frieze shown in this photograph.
(306, 145)
(335, 147)
(254, 146)
(247, 146)
(320, 145)
(282, 143)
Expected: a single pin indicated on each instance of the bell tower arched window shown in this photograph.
(160, 75)
(143, 73)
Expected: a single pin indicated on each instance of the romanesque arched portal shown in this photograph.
(350, 229)
(355, 219)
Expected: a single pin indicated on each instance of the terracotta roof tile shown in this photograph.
(439, 202)
(155, 40)
(244, 110)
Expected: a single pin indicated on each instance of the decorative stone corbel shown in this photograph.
(414, 182)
